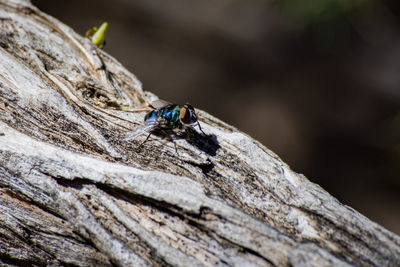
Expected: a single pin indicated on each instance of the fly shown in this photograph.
(165, 118)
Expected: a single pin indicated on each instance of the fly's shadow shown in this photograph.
(206, 143)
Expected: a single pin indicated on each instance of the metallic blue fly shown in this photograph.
(166, 118)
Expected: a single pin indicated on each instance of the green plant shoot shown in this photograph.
(98, 35)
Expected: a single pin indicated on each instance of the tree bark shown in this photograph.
(73, 192)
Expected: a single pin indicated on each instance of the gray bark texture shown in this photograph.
(73, 192)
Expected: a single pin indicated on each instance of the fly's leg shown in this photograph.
(176, 150)
(198, 123)
(170, 136)
(147, 138)
(141, 144)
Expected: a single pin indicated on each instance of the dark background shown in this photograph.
(316, 81)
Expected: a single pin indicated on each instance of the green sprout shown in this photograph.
(98, 35)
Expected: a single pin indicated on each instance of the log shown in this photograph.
(74, 192)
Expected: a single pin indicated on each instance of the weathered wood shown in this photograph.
(72, 191)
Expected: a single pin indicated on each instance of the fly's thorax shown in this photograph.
(166, 117)
(171, 113)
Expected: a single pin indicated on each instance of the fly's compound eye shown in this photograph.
(184, 114)
(187, 114)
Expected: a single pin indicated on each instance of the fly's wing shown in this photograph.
(132, 135)
(157, 104)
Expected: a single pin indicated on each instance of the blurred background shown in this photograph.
(316, 81)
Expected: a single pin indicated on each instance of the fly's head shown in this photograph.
(187, 115)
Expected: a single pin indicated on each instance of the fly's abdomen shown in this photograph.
(151, 117)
